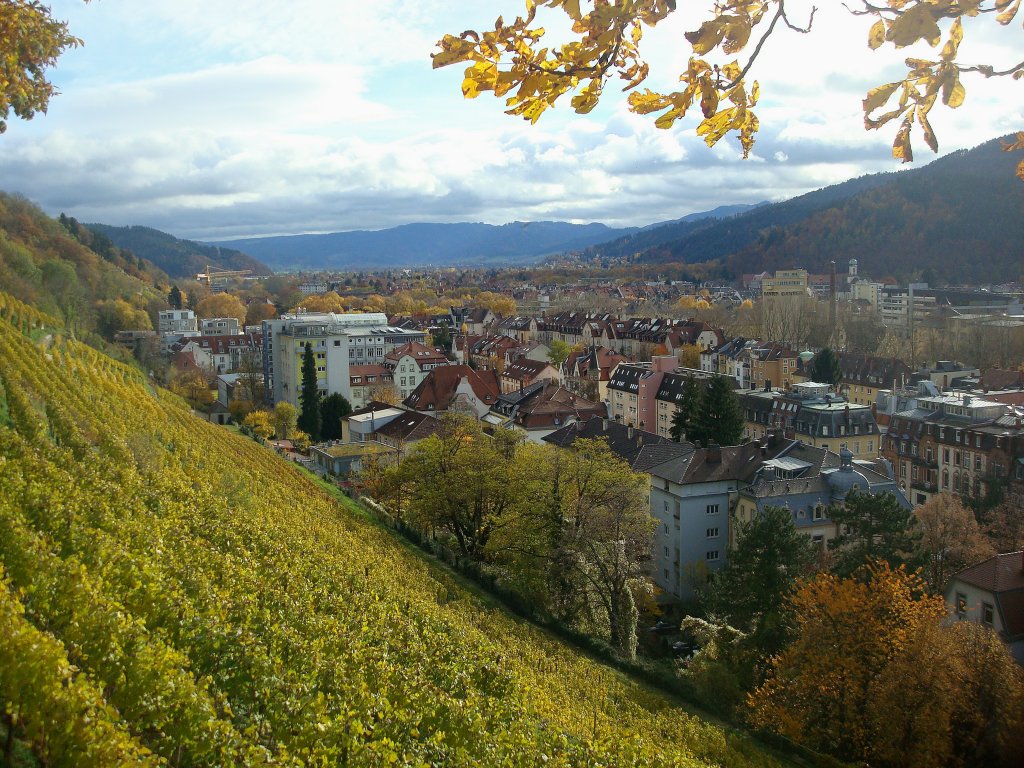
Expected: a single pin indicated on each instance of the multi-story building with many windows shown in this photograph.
(337, 342)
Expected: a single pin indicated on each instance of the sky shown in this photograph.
(217, 119)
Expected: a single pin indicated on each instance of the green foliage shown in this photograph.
(559, 351)
(825, 368)
(309, 398)
(174, 297)
(684, 420)
(873, 528)
(718, 418)
(751, 591)
(249, 619)
(333, 408)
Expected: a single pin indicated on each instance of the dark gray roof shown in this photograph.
(625, 442)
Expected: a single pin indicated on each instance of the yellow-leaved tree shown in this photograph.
(516, 61)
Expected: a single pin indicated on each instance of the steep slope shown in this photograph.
(417, 244)
(178, 258)
(71, 276)
(174, 592)
(958, 217)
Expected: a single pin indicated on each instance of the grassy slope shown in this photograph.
(326, 619)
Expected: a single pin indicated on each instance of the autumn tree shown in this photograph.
(874, 527)
(874, 676)
(950, 540)
(31, 40)
(259, 311)
(194, 386)
(458, 483)
(221, 305)
(285, 416)
(559, 351)
(309, 397)
(114, 315)
(260, 423)
(689, 356)
(516, 61)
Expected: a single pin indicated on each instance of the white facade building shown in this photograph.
(337, 341)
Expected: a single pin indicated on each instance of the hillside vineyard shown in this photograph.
(173, 593)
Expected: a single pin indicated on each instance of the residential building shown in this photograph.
(403, 432)
(337, 342)
(220, 326)
(366, 383)
(545, 406)
(632, 389)
(771, 364)
(785, 282)
(992, 593)
(810, 481)
(587, 371)
(524, 372)
(957, 442)
(455, 388)
(177, 321)
(411, 363)
(810, 412)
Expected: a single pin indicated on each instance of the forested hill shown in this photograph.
(958, 218)
(178, 258)
(173, 593)
(64, 270)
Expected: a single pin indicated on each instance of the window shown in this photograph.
(987, 614)
(711, 555)
(666, 551)
(945, 455)
(819, 512)
(337, 342)
(712, 533)
(977, 462)
(712, 509)
(961, 604)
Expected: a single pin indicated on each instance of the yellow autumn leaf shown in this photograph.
(916, 23)
(876, 36)
(876, 97)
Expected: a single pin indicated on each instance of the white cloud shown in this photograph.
(233, 118)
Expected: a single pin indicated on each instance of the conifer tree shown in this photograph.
(333, 409)
(719, 418)
(174, 297)
(309, 416)
(825, 368)
(687, 410)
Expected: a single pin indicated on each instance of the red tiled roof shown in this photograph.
(437, 390)
(1000, 573)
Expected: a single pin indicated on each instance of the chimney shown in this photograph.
(604, 425)
(714, 455)
(629, 433)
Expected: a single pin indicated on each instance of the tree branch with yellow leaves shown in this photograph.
(512, 62)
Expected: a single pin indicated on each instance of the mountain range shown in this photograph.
(956, 219)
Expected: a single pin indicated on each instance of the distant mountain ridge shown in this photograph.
(179, 258)
(420, 244)
(956, 219)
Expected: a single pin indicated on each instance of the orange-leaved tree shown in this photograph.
(874, 675)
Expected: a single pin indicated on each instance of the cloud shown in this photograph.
(229, 119)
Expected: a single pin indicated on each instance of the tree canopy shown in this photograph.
(516, 61)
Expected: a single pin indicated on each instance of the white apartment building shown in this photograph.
(177, 321)
(337, 341)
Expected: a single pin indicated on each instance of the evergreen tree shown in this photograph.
(309, 416)
(687, 409)
(333, 409)
(174, 298)
(825, 368)
(874, 528)
(719, 418)
(751, 591)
